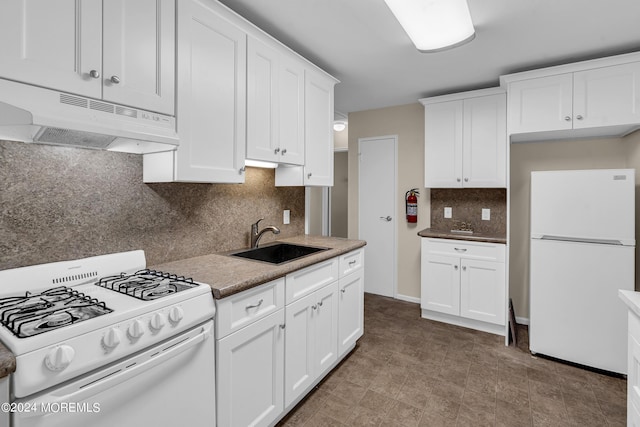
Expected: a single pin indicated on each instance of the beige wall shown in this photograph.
(556, 155)
(407, 122)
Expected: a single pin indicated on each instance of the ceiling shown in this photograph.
(361, 43)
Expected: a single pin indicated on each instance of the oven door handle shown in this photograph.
(91, 386)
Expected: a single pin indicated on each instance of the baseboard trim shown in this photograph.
(408, 298)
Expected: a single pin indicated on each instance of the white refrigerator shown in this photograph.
(582, 251)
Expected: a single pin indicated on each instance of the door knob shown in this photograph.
(386, 218)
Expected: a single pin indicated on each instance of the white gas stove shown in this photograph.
(67, 319)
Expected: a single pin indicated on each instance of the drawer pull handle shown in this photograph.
(460, 249)
(254, 305)
(352, 262)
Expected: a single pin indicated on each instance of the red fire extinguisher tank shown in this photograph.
(411, 203)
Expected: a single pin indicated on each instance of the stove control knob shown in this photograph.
(111, 339)
(136, 330)
(59, 358)
(157, 322)
(176, 314)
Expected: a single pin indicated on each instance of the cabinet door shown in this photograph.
(299, 347)
(318, 116)
(542, 104)
(291, 111)
(485, 142)
(211, 97)
(325, 322)
(139, 53)
(52, 44)
(443, 145)
(250, 365)
(482, 291)
(351, 310)
(262, 101)
(607, 96)
(440, 284)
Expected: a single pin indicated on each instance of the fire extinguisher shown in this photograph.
(411, 205)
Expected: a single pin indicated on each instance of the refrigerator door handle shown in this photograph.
(581, 240)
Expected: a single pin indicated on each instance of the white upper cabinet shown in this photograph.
(211, 101)
(318, 135)
(592, 98)
(466, 140)
(275, 109)
(122, 52)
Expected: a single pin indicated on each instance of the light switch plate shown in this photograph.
(486, 214)
(286, 216)
(447, 212)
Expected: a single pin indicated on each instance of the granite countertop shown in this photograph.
(632, 299)
(475, 237)
(7, 361)
(229, 275)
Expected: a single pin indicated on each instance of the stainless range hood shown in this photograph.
(39, 115)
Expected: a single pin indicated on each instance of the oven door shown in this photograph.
(171, 384)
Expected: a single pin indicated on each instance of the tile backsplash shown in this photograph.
(59, 203)
(467, 205)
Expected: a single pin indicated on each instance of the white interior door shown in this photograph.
(377, 212)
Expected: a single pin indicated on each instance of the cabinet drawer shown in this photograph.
(303, 282)
(351, 262)
(240, 310)
(465, 249)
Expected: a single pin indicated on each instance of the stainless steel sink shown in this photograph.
(278, 253)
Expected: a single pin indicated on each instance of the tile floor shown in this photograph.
(407, 371)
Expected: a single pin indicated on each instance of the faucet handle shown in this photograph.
(258, 221)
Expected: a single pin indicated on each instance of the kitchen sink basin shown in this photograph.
(278, 253)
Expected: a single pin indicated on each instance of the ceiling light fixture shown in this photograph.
(434, 25)
(339, 126)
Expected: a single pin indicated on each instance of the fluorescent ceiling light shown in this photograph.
(434, 25)
(260, 164)
(339, 126)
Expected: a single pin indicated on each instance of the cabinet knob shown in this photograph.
(241, 170)
(284, 151)
(579, 117)
(464, 268)
(283, 326)
(115, 80)
(94, 74)
(458, 179)
(455, 267)
(466, 180)
(276, 151)
(343, 290)
(320, 304)
(567, 118)
(314, 307)
(309, 175)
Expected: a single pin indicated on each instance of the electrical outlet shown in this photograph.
(447, 212)
(286, 216)
(486, 214)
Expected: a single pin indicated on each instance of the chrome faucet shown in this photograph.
(255, 235)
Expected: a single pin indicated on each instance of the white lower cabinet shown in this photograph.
(633, 370)
(249, 367)
(276, 341)
(464, 283)
(311, 342)
(350, 311)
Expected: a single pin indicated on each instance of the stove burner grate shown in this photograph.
(30, 315)
(147, 284)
